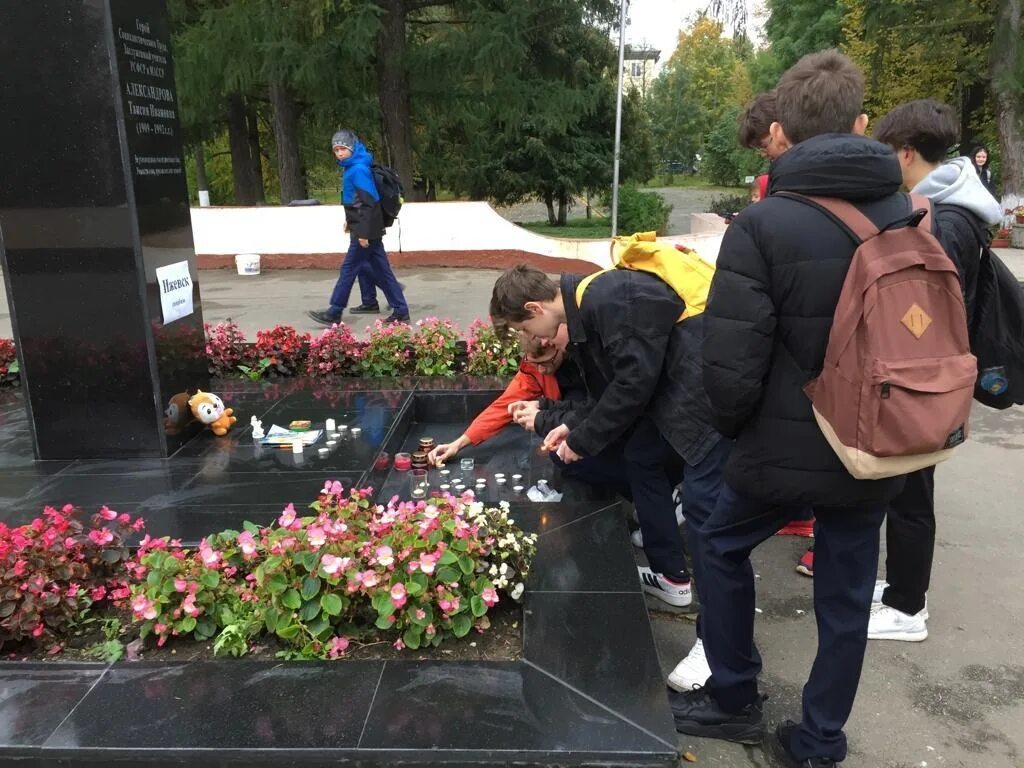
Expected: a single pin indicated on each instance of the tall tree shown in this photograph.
(1008, 84)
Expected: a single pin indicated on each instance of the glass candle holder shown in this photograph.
(403, 461)
(466, 465)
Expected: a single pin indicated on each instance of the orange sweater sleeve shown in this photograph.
(527, 384)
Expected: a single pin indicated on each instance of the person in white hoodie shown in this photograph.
(921, 133)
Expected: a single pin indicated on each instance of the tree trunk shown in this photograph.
(563, 208)
(286, 135)
(248, 189)
(202, 182)
(255, 150)
(549, 201)
(1007, 66)
(393, 94)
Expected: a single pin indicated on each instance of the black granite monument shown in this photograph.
(95, 231)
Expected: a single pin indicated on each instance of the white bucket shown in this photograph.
(248, 263)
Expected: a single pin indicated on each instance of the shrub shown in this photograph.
(54, 568)
(492, 351)
(724, 161)
(641, 211)
(226, 348)
(335, 352)
(9, 368)
(725, 205)
(435, 342)
(284, 348)
(388, 351)
(419, 572)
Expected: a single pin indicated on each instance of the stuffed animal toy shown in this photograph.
(177, 414)
(210, 410)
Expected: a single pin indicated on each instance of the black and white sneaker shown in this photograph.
(665, 588)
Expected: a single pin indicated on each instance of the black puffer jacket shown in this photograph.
(780, 271)
(636, 360)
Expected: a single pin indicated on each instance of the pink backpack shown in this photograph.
(895, 391)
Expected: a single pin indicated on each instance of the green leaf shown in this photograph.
(461, 624)
(205, 628)
(310, 587)
(291, 599)
(448, 558)
(466, 564)
(271, 617)
(251, 527)
(273, 562)
(414, 588)
(154, 577)
(477, 605)
(331, 604)
(289, 632)
(383, 622)
(209, 579)
(412, 638)
(188, 624)
(146, 629)
(310, 610)
(320, 628)
(277, 584)
(447, 575)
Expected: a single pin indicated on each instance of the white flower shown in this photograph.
(494, 570)
(503, 569)
(517, 591)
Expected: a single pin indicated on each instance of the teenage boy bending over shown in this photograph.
(646, 399)
(779, 275)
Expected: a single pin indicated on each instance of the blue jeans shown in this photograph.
(373, 261)
(367, 290)
(845, 563)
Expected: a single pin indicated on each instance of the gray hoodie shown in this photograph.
(957, 183)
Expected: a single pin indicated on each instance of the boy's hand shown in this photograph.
(567, 454)
(555, 438)
(346, 227)
(364, 243)
(526, 414)
(445, 451)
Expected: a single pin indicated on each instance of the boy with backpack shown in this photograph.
(365, 221)
(920, 133)
(637, 345)
(786, 306)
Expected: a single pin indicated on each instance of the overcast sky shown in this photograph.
(657, 22)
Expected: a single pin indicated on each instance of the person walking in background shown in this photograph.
(980, 160)
(364, 221)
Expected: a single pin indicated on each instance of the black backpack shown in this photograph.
(997, 331)
(390, 191)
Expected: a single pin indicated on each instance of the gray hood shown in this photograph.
(957, 183)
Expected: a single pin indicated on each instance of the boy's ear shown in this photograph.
(860, 125)
(778, 134)
(533, 307)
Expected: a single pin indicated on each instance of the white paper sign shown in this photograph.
(175, 285)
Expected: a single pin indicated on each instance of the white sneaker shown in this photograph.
(880, 586)
(668, 591)
(637, 538)
(692, 672)
(889, 624)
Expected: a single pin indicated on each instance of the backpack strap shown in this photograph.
(922, 203)
(847, 214)
(581, 286)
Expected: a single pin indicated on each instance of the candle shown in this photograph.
(403, 461)
(323, 452)
(356, 431)
(517, 477)
(517, 488)
(342, 427)
(296, 446)
(329, 425)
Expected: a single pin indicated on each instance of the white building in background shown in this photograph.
(640, 67)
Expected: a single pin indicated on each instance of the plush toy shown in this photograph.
(210, 410)
(177, 414)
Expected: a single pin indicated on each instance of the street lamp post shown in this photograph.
(618, 119)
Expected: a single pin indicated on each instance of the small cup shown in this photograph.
(517, 477)
(332, 443)
(517, 489)
(403, 461)
(382, 462)
(445, 487)
(343, 427)
(445, 472)
(418, 493)
(501, 481)
(297, 446)
(329, 425)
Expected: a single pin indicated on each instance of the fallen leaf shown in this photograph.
(689, 757)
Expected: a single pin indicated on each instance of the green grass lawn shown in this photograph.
(597, 228)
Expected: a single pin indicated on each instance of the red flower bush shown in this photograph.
(226, 348)
(9, 370)
(435, 342)
(492, 351)
(55, 567)
(284, 347)
(335, 352)
(388, 351)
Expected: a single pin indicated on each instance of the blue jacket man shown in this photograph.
(364, 222)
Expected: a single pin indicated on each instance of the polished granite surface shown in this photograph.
(581, 694)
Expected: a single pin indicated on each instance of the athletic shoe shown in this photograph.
(396, 318)
(667, 589)
(324, 317)
(692, 672)
(806, 564)
(365, 309)
(886, 623)
(880, 586)
(778, 746)
(696, 713)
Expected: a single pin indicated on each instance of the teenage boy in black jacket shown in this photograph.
(646, 400)
(779, 275)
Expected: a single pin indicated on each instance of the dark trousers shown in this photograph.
(372, 260)
(702, 484)
(367, 290)
(604, 471)
(845, 561)
(910, 542)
